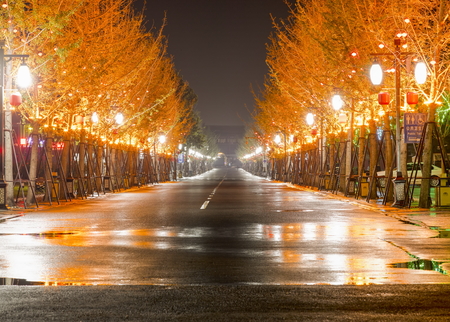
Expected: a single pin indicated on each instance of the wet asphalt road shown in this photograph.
(209, 237)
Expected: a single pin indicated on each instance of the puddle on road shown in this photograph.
(421, 264)
(47, 234)
(24, 282)
(55, 234)
(295, 210)
(17, 281)
(443, 233)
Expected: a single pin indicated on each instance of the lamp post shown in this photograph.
(376, 77)
(23, 80)
(277, 140)
(337, 104)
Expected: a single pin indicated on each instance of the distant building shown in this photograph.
(227, 138)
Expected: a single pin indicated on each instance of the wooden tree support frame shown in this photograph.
(21, 178)
(410, 185)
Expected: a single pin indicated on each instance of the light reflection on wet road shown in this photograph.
(251, 231)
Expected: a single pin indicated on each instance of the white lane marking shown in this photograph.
(205, 204)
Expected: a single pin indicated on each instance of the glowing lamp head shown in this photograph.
(337, 102)
(23, 78)
(94, 118)
(421, 73)
(119, 118)
(277, 139)
(162, 139)
(310, 119)
(376, 74)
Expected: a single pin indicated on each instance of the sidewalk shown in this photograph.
(437, 219)
(18, 211)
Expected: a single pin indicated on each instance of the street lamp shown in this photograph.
(277, 139)
(119, 118)
(162, 138)
(376, 74)
(23, 80)
(337, 102)
(310, 119)
(94, 118)
(376, 77)
(421, 76)
(420, 73)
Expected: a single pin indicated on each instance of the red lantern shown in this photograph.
(79, 119)
(16, 99)
(313, 131)
(58, 145)
(412, 98)
(384, 98)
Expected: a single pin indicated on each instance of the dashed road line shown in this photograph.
(205, 204)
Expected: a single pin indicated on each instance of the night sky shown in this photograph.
(219, 48)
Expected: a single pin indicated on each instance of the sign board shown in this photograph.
(413, 124)
(180, 158)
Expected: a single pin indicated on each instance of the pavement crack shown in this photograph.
(418, 263)
(402, 248)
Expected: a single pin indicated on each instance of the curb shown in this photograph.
(4, 218)
(400, 214)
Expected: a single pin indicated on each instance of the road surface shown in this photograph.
(222, 233)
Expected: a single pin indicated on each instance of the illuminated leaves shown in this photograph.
(327, 46)
(96, 57)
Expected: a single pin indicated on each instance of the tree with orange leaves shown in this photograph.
(330, 44)
(95, 58)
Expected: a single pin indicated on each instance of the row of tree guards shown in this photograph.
(353, 52)
(352, 168)
(50, 169)
(95, 69)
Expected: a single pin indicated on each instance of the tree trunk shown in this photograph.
(65, 161)
(373, 154)
(33, 164)
(389, 155)
(112, 167)
(332, 170)
(130, 169)
(81, 165)
(343, 143)
(48, 167)
(362, 146)
(99, 170)
(90, 170)
(427, 158)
